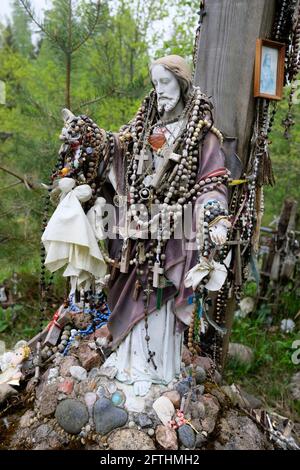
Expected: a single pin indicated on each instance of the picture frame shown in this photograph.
(269, 69)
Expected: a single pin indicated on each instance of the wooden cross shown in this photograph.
(143, 156)
(115, 267)
(37, 362)
(60, 319)
(125, 258)
(148, 292)
(169, 159)
(141, 252)
(238, 258)
(157, 271)
(137, 290)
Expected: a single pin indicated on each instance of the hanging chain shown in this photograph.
(201, 12)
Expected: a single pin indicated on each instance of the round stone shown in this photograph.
(72, 415)
(107, 416)
(186, 436)
(200, 375)
(111, 387)
(118, 398)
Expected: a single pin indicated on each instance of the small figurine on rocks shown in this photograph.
(11, 364)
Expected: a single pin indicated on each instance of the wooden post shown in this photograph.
(225, 65)
(225, 72)
(286, 224)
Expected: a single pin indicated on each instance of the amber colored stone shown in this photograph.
(157, 139)
(65, 171)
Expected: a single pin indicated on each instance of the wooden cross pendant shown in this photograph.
(157, 271)
(238, 257)
(141, 252)
(143, 156)
(115, 267)
(150, 359)
(238, 260)
(137, 290)
(148, 292)
(60, 319)
(125, 258)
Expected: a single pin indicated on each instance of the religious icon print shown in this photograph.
(269, 69)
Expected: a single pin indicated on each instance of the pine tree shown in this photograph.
(20, 30)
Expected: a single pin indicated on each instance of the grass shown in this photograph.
(269, 374)
(23, 320)
(267, 377)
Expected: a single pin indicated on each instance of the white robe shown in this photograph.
(69, 238)
(131, 356)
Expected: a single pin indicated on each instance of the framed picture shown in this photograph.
(269, 69)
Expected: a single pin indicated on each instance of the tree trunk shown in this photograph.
(69, 58)
(68, 81)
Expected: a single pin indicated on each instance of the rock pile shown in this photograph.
(77, 405)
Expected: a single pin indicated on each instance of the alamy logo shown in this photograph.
(2, 92)
(296, 354)
(296, 92)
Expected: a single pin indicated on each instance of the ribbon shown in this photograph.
(236, 182)
(54, 320)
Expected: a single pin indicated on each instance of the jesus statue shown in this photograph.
(165, 174)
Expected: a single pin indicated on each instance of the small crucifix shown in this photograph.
(137, 290)
(143, 156)
(238, 256)
(157, 272)
(115, 266)
(148, 292)
(125, 258)
(141, 252)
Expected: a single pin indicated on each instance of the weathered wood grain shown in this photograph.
(225, 71)
(225, 65)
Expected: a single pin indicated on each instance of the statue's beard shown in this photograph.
(167, 104)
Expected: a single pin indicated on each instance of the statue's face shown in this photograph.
(167, 88)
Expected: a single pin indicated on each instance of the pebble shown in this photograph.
(186, 436)
(78, 372)
(107, 416)
(72, 415)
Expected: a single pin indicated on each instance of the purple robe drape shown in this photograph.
(126, 312)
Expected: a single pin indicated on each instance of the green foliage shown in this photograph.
(5, 319)
(269, 374)
(285, 159)
(20, 31)
(184, 23)
(108, 80)
(249, 289)
(109, 72)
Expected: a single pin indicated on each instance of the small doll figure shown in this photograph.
(11, 364)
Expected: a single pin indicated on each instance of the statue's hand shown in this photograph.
(218, 231)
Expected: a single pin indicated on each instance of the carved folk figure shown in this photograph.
(164, 173)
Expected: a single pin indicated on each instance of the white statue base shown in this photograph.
(131, 357)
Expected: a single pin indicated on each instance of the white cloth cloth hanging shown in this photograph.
(131, 357)
(69, 238)
(95, 218)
